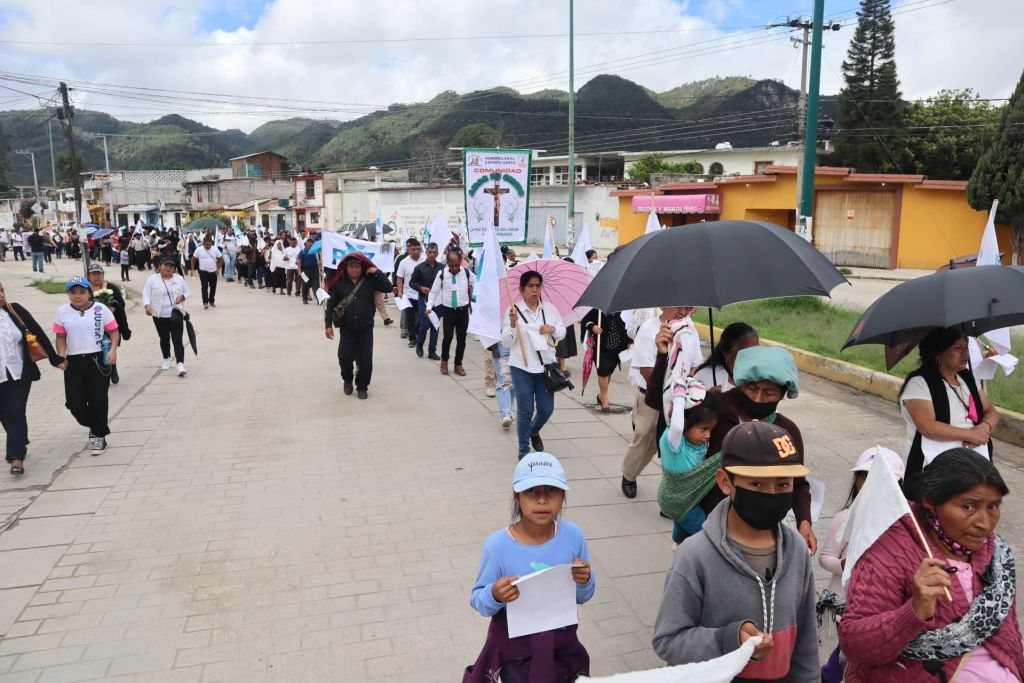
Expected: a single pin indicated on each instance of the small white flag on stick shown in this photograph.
(988, 255)
(719, 670)
(582, 246)
(652, 221)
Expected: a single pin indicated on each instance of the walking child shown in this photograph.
(746, 574)
(126, 265)
(832, 601)
(536, 539)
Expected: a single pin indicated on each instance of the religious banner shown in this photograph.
(336, 247)
(497, 193)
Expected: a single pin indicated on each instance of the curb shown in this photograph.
(877, 383)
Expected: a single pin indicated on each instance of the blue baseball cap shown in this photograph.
(78, 281)
(539, 469)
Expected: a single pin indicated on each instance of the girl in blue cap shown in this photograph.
(535, 540)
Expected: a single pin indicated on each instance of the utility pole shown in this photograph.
(65, 115)
(805, 215)
(110, 183)
(31, 155)
(53, 162)
(570, 223)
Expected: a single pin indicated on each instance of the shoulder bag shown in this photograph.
(338, 315)
(555, 378)
(36, 352)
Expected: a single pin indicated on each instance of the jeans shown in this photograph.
(13, 402)
(456, 321)
(356, 347)
(170, 330)
(229, 265)
(208, 285)
(85, 392)
(424, 327)
(38, 260)
(530, 389)
(503, 390)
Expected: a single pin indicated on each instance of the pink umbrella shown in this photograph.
(564, 283)
(588, 360)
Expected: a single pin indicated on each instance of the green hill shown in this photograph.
(613, 113)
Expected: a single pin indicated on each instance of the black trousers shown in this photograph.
(208, 284)
(312, 285)
(455, 320)
(292, 276)
(170, 331)
(356, 347)
(13, 403)
(85, 392)
(19, 253)
(412, 319)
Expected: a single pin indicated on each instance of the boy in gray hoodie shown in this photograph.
(746, 573)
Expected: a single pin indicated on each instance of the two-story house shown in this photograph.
(309, 202)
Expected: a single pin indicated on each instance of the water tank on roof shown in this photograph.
(723, 145)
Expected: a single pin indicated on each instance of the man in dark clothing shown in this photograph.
(354, 288)
(422, 280)
(98, 280)
(394, 281)
(309, 266)
(35, 246)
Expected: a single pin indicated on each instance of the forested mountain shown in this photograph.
(613, 113)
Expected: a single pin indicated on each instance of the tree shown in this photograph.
(870, 110)
(63, 163)
(428, 161)
(948, 133)
(476, 135)
(1000, 172)
(654, 162)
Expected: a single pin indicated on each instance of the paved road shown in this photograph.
(251, 523)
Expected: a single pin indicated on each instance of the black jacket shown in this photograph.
(118, 309)
(30, 371)
(359, 314)
(424, 275)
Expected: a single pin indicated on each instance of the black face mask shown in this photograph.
(762, 511)
(755, 410)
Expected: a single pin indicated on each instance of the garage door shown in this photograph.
(855, 228)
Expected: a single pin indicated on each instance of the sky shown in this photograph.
(255, 60)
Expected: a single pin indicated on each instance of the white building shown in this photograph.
(725, 160)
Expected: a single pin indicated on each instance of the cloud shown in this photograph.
(276, 58)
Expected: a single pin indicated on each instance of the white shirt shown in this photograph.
(530, 323)
(11, 360)
(917, 389)
(644, 352)
(290, 255)
(230, 244)
(84, 329)
(405, 269)
(17, 238)
(208, 258)
(161, 294)
(4, 237)
(441, 291)
(707, 378)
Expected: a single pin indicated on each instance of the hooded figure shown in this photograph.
(351, 308)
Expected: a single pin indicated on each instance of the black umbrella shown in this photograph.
(711, 264)
(191, 332)
(974, 299)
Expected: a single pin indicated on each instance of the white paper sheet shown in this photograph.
(987, 368)
(322, 295)
(931, 448)
(305, 278)
(434, 320)
(538, 341)
(547, 600)
(402, 303)
(817, 500)
(626, 355)
(719, 670)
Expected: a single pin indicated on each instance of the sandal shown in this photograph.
(17, 470)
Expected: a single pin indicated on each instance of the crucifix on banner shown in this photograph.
(496, 192)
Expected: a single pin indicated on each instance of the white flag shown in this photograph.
(582, 246)
(988, 255)
(532, 257)
(878, 505)
(652, 221)
(719, 670)
(336, 247)
(256, 209)
(440, 233)
(86, 218)
(549, 242)
(486, 315)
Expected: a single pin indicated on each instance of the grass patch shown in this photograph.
(50, 286)
(846, 271)
(813, 324)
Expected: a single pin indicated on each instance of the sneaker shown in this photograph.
(506, 421)
(490, 391)
(166, 365)
(213, 305)
(362, 393)
(181, 369)
(206, 306)
(388, 321)
(99, 445)
(404, 335)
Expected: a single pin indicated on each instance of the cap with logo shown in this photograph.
(761, 449)
(95, 268)
(894, 461)
(539, 469)
(78, 281)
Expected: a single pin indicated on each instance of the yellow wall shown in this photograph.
(631, 225)
(937, 225)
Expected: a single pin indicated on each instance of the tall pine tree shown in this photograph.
(870, 110)
(1000, 171)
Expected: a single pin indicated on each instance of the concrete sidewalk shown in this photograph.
(251, 523)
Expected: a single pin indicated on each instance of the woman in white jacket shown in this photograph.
(538, 325)
(277, 267)
(163, 296)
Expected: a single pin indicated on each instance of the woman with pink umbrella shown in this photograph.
(531, 328)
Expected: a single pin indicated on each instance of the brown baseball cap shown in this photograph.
(761, 449)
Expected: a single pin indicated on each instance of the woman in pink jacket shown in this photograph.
(899, 626)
